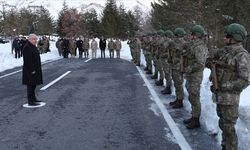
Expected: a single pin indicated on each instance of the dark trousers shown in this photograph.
(102, 53)
(31, 93)
(17, 52)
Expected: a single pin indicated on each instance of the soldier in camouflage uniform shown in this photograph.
(166, 66)
(232, 65)
(175, 52)
(153, 47)
(137, 51)
(159, 60)
(86, 47)
(131, 43)
(72, 47)
(111, 47)
(195, 56)
(143, 46)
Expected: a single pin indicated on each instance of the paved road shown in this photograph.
(101, 105)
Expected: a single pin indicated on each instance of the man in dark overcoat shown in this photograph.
(32, 72)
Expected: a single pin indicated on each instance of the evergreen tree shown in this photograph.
(92, 23)
(110, 21)
(44, 23)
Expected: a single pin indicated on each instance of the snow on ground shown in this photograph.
(8, 61)
(209, 117)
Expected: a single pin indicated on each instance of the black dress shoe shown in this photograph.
(37, 101)
(33, 104)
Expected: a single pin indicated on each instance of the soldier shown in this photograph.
(118, 46)
(231, 68)
(94, 46)
(72, 47)
(159, 48)
(65, 47)
(59, 46)
(46, 44)
(175, 54)
(86, 47)
(137, 49)
(131, 43)
(111, 47)
(153, 46)
(195, 58)
(40, 45)
(166, 66)
(148, 53)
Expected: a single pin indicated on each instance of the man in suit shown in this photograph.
(32, 72)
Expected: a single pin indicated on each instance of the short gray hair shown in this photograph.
(31, 36)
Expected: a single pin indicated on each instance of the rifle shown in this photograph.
(214, 80)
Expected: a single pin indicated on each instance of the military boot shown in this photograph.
(172, 103)
(194, 123)
(178, 104)
(159, 82)
(167, 90)
(155, 76)
(187, 121)
(149, 72)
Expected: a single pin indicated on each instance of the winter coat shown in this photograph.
(94, 45)
(118, 45)
(79, 45)
(102, 44)
(86, 44)
(31, 62)
(111, 45)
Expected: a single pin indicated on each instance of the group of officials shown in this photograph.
(68, 46)
(177, 56)
(19, 42)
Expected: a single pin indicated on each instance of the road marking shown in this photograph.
(6, 75)
(53, 82)
(172, 125)
(88, 60)
(9, 74)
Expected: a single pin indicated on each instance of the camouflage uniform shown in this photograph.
(148, 53)
(160, 61)
(137, 51)
(86, 47)
(196, 57)
(72, 47)
(118, 47)
(111, 47)
(131, 44)
(232, 78)
(166, 66)
(175, 52)
(153, 55)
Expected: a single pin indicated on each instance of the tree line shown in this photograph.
(214, 15)
(114, 21)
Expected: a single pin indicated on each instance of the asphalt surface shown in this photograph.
(101, 105)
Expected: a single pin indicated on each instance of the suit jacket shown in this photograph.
(31, 62)
(102, 44)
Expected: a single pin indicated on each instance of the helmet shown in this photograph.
(179, 32)
(169, 33)
(198, 30)
(237, 31)
(160, 32)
